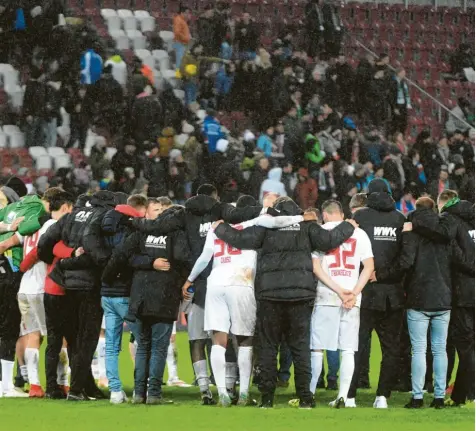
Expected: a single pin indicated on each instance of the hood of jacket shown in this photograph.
(82, 201)
(275, 174)
(463, 210)
(200, 204)
(10, 194)
(103, 199)
(127, 210)
(429, 216)
(380, 201)
(288, 207)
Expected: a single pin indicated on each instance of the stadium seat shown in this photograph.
(137, 39)
(114, 23)
(63, 161)
(122, 13)
(180, 94)
(147, 24)
(129, 23)
(55, 151)
(37, 152)
(168, 38)
(17, 140)
(162, 59)
(3, 140)
(106, 13)
(43, 162)
(122, 41)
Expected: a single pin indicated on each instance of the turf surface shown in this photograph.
(188, 415)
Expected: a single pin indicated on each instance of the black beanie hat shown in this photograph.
(379, 186)
(17, 185)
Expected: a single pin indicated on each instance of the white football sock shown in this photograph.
(245, 364)
(62, 368)
(219, 365)
(316, 366)
(201, 373)
(231, 374)
(347, 366)
(171, 362)
(133, 350)
(101, 349)
(32, 357)
(7, 375)
(24, 372)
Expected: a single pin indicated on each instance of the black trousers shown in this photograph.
(387, 324)
(400, 120)
(291, 321)
(9, 311)
(58, 326)
(86, 315)
(462, 332)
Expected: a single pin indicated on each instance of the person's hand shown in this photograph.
(16, 223)
(350, 303)
(407, 227)
(310, 216)
(373, 277)
(161, 264)
(216, 224)
(352, 222)
(78, 252)
(346, 295)
(187, 296)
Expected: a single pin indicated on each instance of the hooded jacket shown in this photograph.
(115, 233)
(273, 184)
(313, 149)
(81, 228)
(426, 267)
(455, 224)
(196, 219)
(383, 224)
(285, 270)
(154, 294)
(213, 132)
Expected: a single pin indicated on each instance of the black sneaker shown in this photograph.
(95, 394)
(56, 394)
(338, 404)
(158, 401)
(266, 402)
(331, 385)
(307, 404)
(282, 383)
(207, 399)
(414, 404)
(438, 403)
(77, 397)
(234, 397)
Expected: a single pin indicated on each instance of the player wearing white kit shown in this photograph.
(335, 325)
(230, 304)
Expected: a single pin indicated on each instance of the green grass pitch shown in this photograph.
(188, 415)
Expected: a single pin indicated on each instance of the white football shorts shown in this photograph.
(32, 310)
(335, 328)
(230, 309)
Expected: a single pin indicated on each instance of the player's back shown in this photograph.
(343, 264)
(232, 266)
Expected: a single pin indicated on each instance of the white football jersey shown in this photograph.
(33, 281)
(231, 266)
(343, 265)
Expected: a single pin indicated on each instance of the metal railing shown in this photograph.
(464, 4)
(441, 106)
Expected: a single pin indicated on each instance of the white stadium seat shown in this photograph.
(17, 140)
(147, 24)
(113, 23)
(129, 23)
(142, 53)
(3, 140)
(137, 39)
(162, 58)
(36, 152)
(55, 151)
(10, 129)
(168, 38)
(141, 14)
(106, 13)
(122, 41)
(43, 162)
(171, 78)
(63, 161)
(122, 13)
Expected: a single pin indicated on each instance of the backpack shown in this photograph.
(20, 20)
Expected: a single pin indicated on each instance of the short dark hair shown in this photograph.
(59, 199)
(50, 193)
(425, 203)
(137, 201)
(245, 201)
(332, 206)
(162, 200)
(447, 195)
(358, 201)
(317, 212)
(206, 189)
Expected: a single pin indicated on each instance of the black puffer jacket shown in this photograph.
(383, 224)
(82, 228)
(426, 267)
(455, 224)
(154, 294)
(285, 271)
(196, 219)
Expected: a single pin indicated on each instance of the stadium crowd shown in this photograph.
(131, 235)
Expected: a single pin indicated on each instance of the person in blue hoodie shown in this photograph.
(273, 184)
(91, 66)
(224, 80)
(212, 131)
(265, 142)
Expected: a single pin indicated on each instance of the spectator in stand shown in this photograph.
(265, 142)
(461, 115)
(442, 183)
(273, 184)
(400, 102)
(91, 65)
(212, 130)
(460, 147)
(462, 59)
(293, 135)
(464, 183)
(125, 157)
(346, 83)
(79, 118)
(364, 76)
(333, 29)
(206, 28)
(258, 175)
(155, 171)
(407, 203)
(247, 37)
(314, 21)
(119, 69)
(327, 185)
(393, 171)
(306, 190)
(181, 34)
(414, 170)
(34, 103)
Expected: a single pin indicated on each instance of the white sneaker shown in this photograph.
(380, 403)
(118, 397)
(178, 383)
(350, 403)
(15, 393)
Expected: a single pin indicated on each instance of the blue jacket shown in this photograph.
(265, 144)
(91, 67)
(223, 82)
(226, 51)
(213, 133)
